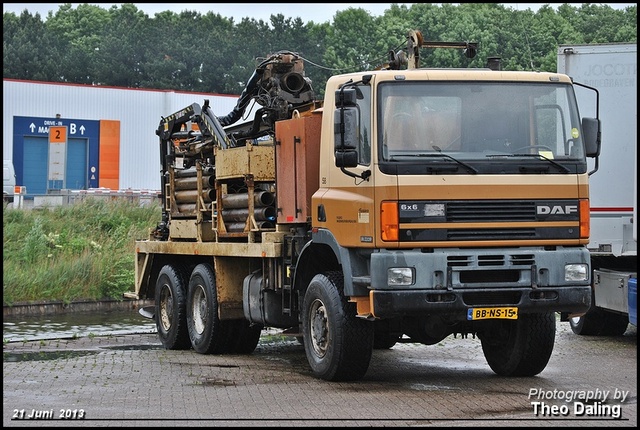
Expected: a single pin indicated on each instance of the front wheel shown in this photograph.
(522, 347)
(338, 345)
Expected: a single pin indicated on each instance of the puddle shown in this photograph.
(70, 325)
(211, 382)
(43, 355)
(133, 347)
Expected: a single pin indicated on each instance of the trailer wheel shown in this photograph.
(522, 347)
(170, 309)
(337, 344)
(208, 334)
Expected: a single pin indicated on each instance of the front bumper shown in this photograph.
(450, 281)
(456, 304)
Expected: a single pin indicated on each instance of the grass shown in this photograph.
(83, 251)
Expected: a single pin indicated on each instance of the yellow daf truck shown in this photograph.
(410, 205)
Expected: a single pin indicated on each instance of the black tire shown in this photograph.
(522, 347)
(208, 334)
(614, 324)
(599, 322)
(384, 342)
(170, 308)
(385, 336)
(245, 337)
(589, 324)
(338, 345)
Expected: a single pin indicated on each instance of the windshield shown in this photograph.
(478, 122)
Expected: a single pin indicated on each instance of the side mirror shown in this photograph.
(346, 159)
(345, 124)
(591, 128)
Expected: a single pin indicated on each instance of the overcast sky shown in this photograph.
(316, 12)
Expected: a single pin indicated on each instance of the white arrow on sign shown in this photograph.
(32, 127)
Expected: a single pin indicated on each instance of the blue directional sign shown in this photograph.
(32, 156)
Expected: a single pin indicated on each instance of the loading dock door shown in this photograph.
(36, 157)
(77, 156)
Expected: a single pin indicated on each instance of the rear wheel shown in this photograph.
(208, 334)
(338, 345)
(522, 347)
(170, 308)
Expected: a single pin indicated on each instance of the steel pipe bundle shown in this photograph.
(191, 196)
(241, 200)
(192, 171)
(240, 215)
(191, 182)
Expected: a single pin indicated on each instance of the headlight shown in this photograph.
(400, 276)
(576, 272)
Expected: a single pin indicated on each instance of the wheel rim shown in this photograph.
(319, 328)
(199, 309)
(166, 308)
(574, 321)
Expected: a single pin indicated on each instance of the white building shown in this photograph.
(68, 136)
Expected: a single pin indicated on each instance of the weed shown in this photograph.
(84, 251)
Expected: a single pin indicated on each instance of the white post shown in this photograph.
(18, 196)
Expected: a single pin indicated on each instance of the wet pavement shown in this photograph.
(130, 380)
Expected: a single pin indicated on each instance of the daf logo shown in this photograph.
(557, 210)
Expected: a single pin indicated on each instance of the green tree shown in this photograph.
(28, 50)
(78, 35)
(123, 48)
(190, 51)
(349, 47)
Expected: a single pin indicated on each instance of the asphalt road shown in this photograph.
(129, 380)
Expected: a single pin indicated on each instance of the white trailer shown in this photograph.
(612, 70)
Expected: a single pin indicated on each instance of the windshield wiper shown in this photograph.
(538, 156)
(442, 154)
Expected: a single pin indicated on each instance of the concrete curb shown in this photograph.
(50, 308)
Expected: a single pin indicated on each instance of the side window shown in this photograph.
(364, 108)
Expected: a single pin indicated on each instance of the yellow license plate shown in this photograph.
(492, 313)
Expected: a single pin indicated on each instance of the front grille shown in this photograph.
(492, 234)
(493, 260)
(502, 220)
(491, 211)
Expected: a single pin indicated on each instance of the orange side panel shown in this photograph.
(109, 165)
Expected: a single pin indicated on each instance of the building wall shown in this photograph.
(138, 112)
